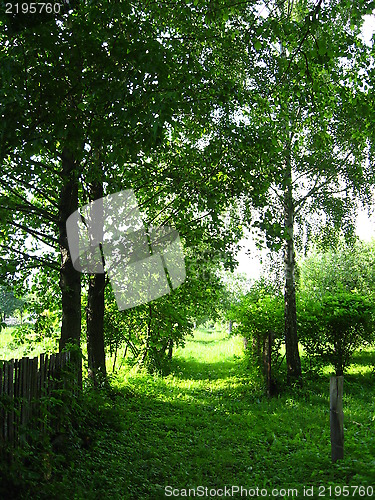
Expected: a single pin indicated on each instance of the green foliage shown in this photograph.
(47, 325)
(24, 336)
(9, 303)
(22, 340)
(28, 337)
(346, 267)
(236, 287)
(333, 328)
(206, 423)
(260, 316)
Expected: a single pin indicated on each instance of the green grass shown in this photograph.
(208, 423)
(6, 337)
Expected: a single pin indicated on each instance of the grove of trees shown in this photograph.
(223, 118)
(220, 115)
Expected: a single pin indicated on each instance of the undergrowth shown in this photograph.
(206, 423)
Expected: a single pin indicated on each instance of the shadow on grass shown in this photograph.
(157, 431)
(217, 437)
(217, 433)
(205, 342)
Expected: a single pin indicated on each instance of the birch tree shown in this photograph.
(310, 108)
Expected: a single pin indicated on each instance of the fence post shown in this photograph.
(336, 417)
(2, 411)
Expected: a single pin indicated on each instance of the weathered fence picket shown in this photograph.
(23, 382)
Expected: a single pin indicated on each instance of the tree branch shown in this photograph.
(45, 262)
(315, 12)
(39, 236)
(32, 187)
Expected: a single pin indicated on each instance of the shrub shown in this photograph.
(332, 328)
(260, 316)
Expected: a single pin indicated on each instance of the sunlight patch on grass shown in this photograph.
(10, 348)
(211, 347)
(209, 423)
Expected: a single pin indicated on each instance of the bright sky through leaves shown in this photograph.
(251, 264)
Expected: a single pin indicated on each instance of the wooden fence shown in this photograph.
(24, 385)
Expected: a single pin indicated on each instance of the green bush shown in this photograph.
(332, 328)
(260, 314)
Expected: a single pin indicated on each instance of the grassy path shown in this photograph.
(207, 424)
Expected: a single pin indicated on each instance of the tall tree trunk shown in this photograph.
(294, 373)
(95, 326)
(70, 279)
(267, 362)
(147, 348)
(95, 310)
(170, 349)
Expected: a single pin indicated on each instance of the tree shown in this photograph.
(307, 109)
(333, 328)
(334, 306)
(88, 102)
(152, 330)
(259, 317)
(8, 303)
(343, 267)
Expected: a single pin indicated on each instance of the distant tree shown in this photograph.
(236, 287)
(9, 303)
(151, 331)
(335, 312)
(344, 267)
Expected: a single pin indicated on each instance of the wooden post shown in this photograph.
(336, 417)
(2, 411)
(269, 365)
(11, 433)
